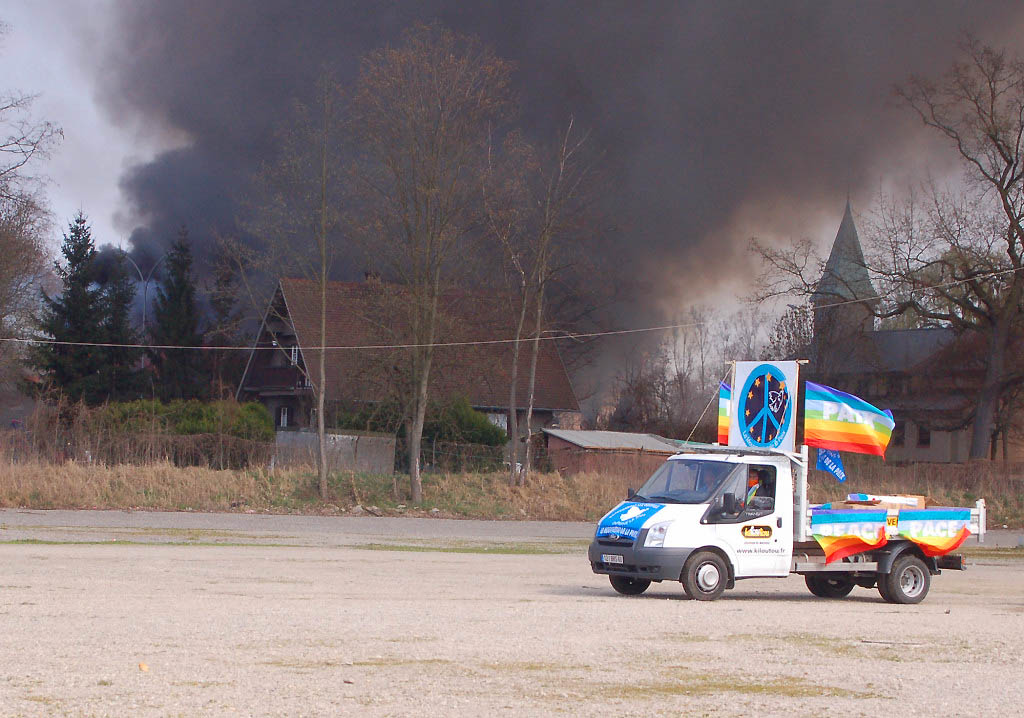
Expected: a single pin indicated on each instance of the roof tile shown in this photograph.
(371, 313)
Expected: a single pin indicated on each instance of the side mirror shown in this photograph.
(630, 493)
(729, 503)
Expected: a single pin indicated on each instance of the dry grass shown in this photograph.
(162, 486)
(156, 486)
(548, 496)
(551, 497)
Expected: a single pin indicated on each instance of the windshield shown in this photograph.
(685, 481)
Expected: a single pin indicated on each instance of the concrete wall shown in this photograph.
(372, 453)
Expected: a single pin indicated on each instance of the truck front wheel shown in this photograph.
(828, 586)
(629, 586)
(704, 576)
(908, 582)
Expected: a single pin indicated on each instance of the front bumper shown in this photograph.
(649, 564)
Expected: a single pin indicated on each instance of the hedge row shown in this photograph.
(249, 421)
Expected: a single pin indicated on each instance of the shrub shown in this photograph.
(460, 423)
(456, 422)
(249, 421)
(253, 422)
(385, 417)
(194, 417)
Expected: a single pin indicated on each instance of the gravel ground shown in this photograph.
(302, 616)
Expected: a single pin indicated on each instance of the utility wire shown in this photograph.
(487, 342)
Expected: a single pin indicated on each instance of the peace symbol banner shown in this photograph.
(763, 409)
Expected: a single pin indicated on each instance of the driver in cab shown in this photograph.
(759, 494)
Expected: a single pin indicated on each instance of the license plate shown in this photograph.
(611, 558)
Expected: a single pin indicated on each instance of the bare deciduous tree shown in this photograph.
(23, 217)
(537, 210)
(22, 139)
(670, 389)
(975, 240)
(297, 217)
(505, 209)
(792, 335)
(23, 268)
(561, 202)
(422, 113)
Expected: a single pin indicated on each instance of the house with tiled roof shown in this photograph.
(366, 323)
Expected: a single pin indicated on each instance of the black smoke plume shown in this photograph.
(718, 120)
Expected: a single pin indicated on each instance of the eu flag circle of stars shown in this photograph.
(764, 408)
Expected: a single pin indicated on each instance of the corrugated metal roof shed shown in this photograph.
(615, 440)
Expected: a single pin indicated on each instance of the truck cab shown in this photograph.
(738, 507)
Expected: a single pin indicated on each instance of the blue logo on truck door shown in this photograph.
(627, 519)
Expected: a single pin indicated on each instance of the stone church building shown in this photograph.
(926, 377)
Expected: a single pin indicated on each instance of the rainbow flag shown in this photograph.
(842, 533)
(724, 397)
(936, 531)
(836, 420)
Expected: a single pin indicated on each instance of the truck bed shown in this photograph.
(841, 532)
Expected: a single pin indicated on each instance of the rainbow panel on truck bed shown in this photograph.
(848, 531)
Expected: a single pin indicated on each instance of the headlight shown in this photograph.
(656, 534)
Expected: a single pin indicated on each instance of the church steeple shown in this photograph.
(846, 275)
(845, 282)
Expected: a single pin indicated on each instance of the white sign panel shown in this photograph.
(763, 408)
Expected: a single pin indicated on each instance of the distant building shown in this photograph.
(370, 314)
(927, 377)
(629, 456)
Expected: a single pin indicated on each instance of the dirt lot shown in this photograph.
(384, 618)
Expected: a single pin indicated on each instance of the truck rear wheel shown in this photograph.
(828, 586)
(908, 582)
(629, 586)
(704, 576)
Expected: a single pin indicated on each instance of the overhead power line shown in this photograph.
(485, 342)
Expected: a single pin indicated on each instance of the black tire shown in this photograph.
(704, 576)
(828, 586)
(908, 582)
(629, 586)
(882, 590)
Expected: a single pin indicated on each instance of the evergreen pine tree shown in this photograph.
(178, 372)
(121, 377)
(74, 315)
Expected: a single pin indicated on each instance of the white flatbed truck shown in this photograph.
(696, 521)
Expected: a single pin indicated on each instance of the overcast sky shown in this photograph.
(721, 121)
(51, 51)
